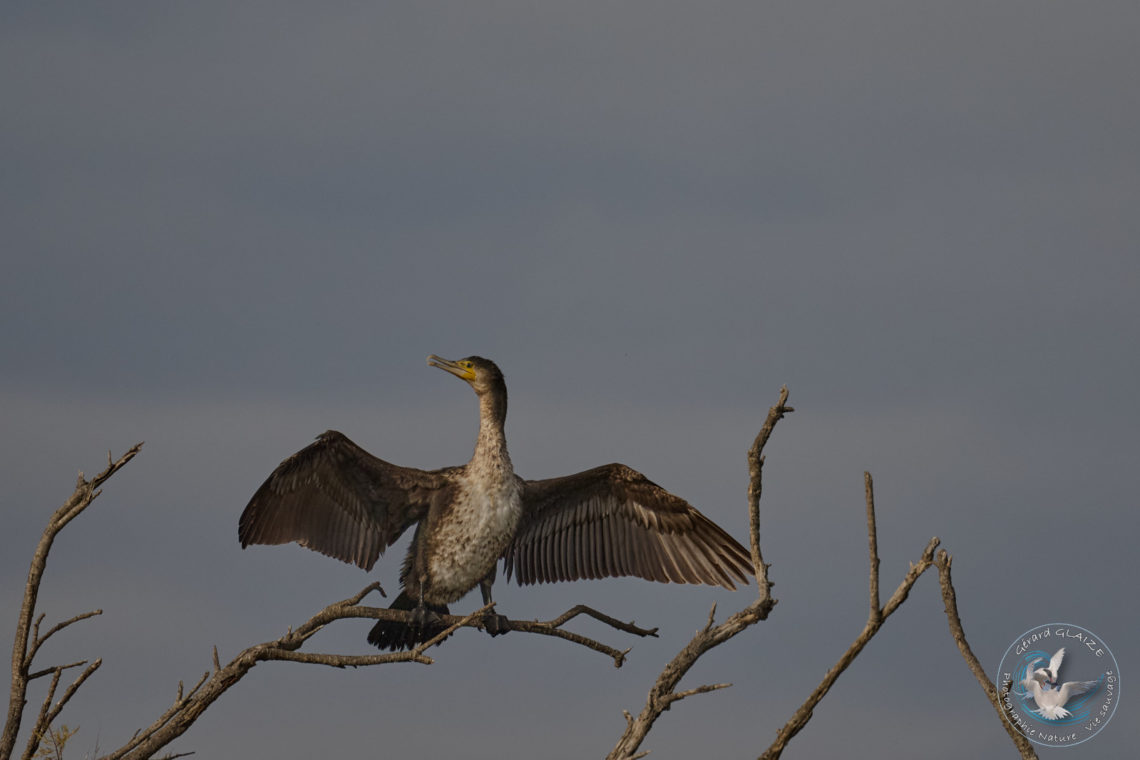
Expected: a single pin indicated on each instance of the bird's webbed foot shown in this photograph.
(425, 623)
(424, 618)
(496, 624)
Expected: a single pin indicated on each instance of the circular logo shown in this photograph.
(1058, 684)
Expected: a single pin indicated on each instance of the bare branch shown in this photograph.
(38, 641)
(662, 693)
(872, 544)
(950, 601)
(755, 488)
(912, 575)
(41, 719)
(671, 698)
(347, 660)
(47, 716)
(553, 627)
(54, 668)
(582, 609)
(548, 628)
(186, 709)
(25, 643)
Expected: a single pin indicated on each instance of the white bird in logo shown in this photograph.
(1041, 684)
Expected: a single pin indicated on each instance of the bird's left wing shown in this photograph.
(1032, 675)
(613, 521)
(1055, 663)
(1070, 689)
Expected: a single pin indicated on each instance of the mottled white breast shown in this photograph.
(473, 536)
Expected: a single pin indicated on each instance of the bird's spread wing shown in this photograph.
(1070, 689)
(612, 521)
(335, 498)
(1032, 675)
(1055, 663)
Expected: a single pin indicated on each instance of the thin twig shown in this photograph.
(55, 668)
(755, 488)
(601, 617)
(950, 602)
(671, 698)
(872, 544)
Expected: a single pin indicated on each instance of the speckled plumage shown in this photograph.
(471, 536)
(336, 498)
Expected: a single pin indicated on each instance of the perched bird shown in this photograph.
(336, 498)
(1041, 684)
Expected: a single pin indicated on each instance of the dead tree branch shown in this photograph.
(553, 628)
(755, 487)
(950, 601)
(187, 708)
(28, 641)
(662, 695)
(872, 542)
(875, 620)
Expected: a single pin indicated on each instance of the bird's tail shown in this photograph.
(388, 634)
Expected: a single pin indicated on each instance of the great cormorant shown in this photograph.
(336, 498)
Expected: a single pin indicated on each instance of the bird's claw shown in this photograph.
(496, 624)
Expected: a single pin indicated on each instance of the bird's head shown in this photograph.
(481, 374)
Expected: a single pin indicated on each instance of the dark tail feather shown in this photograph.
(394, 636)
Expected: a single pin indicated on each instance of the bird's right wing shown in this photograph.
(335, 498)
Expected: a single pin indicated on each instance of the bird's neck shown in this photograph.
(491, 445)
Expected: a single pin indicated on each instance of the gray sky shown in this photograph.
(229, 229)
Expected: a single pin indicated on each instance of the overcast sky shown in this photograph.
(227, 229)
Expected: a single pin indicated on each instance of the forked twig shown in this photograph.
(875, 619)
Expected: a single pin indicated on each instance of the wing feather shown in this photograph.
(335, 498)
(612, 521)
